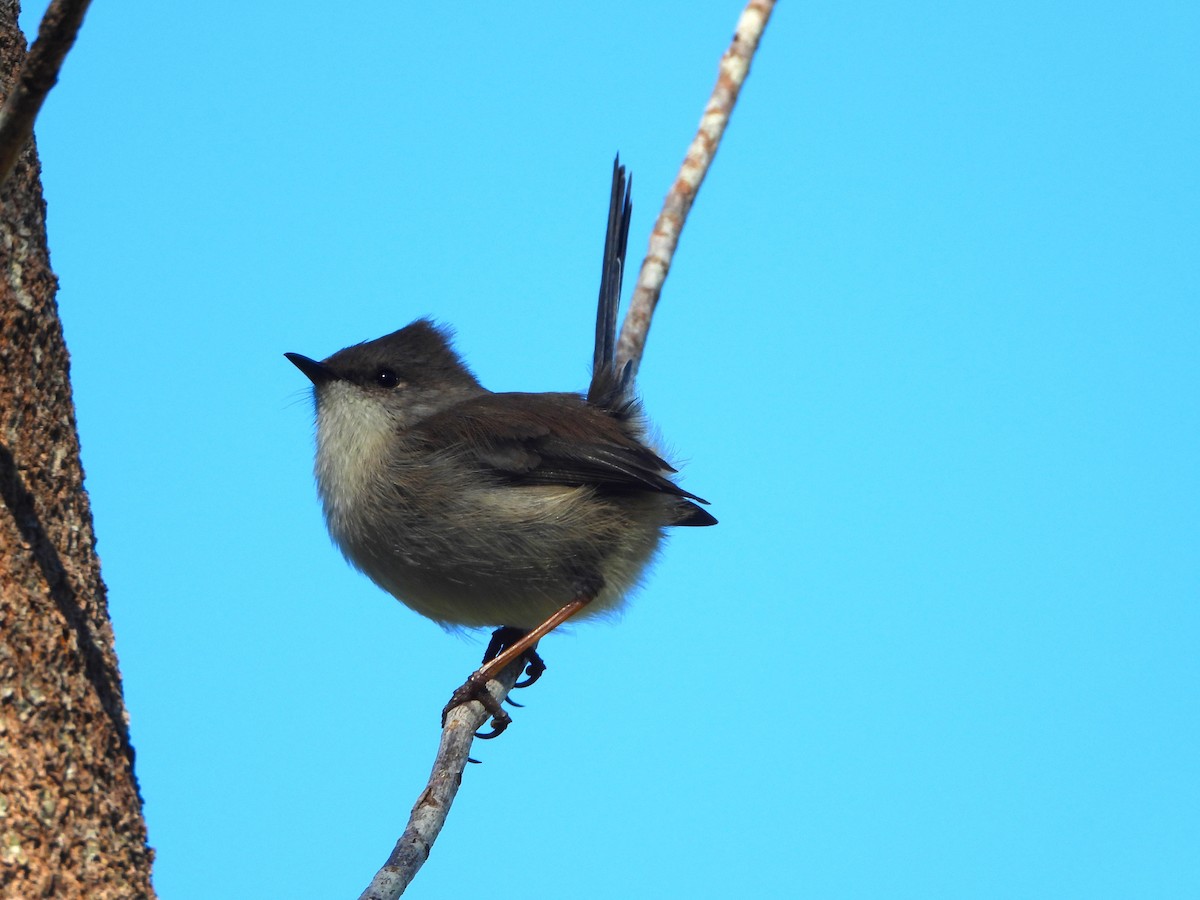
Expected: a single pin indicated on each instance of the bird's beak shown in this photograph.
(318, 373)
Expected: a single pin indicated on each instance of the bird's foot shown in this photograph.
(507, 645)
(475, 688)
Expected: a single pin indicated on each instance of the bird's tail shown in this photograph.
(609, 388)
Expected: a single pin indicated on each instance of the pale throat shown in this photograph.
(353, 434)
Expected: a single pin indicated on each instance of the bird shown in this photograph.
(514, 511)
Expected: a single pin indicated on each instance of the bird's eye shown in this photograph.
(387, 378)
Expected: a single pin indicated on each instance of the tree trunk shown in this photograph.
(70, 812)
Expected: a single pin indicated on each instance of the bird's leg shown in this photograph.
(475, 687)
(505, 637)
(519, 648)
(501, 638)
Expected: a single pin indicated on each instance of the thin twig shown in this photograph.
(429, 814)
(432, 807)
(735, 65)
(39, 73)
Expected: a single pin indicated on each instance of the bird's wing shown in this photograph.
(548, 439)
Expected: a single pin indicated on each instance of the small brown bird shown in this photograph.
(474, 508)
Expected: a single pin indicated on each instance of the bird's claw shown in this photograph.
(534, 667)
(498, 727)
(475, 688)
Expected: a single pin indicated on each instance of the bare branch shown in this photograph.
(429, 814)
(39, 73)
(735, 65)
(433, 805)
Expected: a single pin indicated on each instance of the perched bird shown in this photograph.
(477, 508)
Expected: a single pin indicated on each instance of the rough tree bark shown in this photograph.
(70, 812)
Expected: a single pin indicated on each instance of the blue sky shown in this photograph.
(929, 346)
